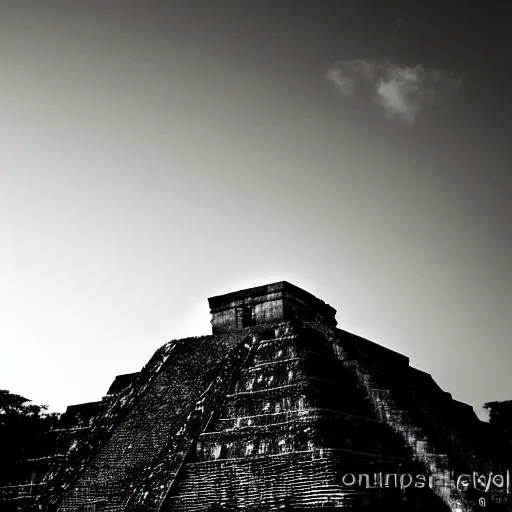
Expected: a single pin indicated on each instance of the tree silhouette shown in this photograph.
(20, 424)
(500, 416)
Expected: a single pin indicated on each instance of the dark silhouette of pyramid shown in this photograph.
(277, 409)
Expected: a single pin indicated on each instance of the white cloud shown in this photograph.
(404, 92)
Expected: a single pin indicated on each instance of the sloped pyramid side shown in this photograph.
(443, 435)
(137, 426)
(111, 415)
(150, 488)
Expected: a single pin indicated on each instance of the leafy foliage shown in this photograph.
(500, 416)
(21, 422)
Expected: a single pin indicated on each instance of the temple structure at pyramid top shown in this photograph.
(277, 302)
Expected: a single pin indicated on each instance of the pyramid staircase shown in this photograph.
(285, 433)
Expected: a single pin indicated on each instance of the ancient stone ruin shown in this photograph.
(277, 409)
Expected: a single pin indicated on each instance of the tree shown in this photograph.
(20, 424)
(500, 416)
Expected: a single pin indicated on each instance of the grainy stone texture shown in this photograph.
(277, 410)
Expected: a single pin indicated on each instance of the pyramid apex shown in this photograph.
(276, 302)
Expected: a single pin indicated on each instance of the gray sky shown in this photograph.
(154, 154)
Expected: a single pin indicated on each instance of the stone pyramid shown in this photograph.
(278, 409)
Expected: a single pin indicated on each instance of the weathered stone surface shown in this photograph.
(276, 302)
